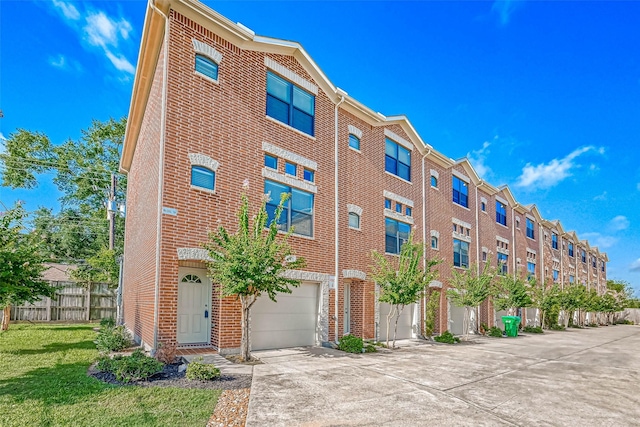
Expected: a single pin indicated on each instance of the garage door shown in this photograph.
(404, 323)
(456, 319)
(289, 322)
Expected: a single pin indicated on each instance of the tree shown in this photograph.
(510, 293)
(469, 289)
(402, 281)
(82, 171)
(252, 262)
(20, 264)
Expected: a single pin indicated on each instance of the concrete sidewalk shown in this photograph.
(569, 378)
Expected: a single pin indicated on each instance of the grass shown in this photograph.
(44, 382)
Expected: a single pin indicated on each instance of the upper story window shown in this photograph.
(290, 104)
(396, 234)
(554, 240)
(593, 262)
(298, 209)
(203, 177)
(503, 263)
(556, 274)
(354, 220)
(583, 256)
(530, 230)
(354, 142)
(271, 161)
(387, 203)
(397, 160)
(602, 266)
(531, 269)
(483, 206)
(309, 175)
(291, 169)
(434, 181)
(571, 278)
(460, 192)
(571, 250)
(460, 253)
(434, 242)
(407, 211)
(501, 213)
(206, 67)
(398, 207)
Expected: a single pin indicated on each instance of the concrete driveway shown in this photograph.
(587, 377)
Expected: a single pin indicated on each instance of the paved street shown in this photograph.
(571, 378)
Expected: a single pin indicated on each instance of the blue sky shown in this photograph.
(542, 96)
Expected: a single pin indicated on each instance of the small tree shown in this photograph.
(431, 311)
(510, 293)
(20, 265)
(469, 289)
(251, 262)
(546, 300)
(401, 282)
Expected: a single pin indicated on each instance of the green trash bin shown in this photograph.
(511, 324)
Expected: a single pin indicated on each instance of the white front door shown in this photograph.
(194, 306)
(347, 309)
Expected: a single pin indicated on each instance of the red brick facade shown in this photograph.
(188, 114)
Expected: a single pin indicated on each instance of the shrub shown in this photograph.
(557, 327)
(113, 339)
(166, 353)
(108, 322)
(484, 328)
(623, 322)
(351, 344)
(593, 325)
(495, 332)
(447, 337)
(532, 329)
(197, 370)
(370, 348)
(431, 313)
(136, 367)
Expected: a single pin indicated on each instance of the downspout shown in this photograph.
(479, 308)
(541, 249)
(163, 122)
(336, 219)
(513, 239)
(424, 240)
(561, 262)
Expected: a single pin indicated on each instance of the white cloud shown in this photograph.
(58, 61)
(478, 158)
(121, 63)
(505, 8)
(546, 175)
(619, 223)
(602, 196)
(599, 240)
(635, 266)
(68, 10)
(103, 31)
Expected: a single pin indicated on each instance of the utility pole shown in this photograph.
(111, 212)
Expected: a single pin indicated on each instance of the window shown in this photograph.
(602, 266)
(556, 273)
(460, 192)
(530, 232)
(206, 67)
(354, 142)
(397, 160)
(399, 207)
(572, 278)
(531, 269)
(501, 213)
(289, 104)
(593, 262)
(571, 250)
(271, 162)
(503, 267)
(290, 169)
(407, 211)
(434, 242)
(309, 175)
(434, 181)
(583, 255)
(483, 206)
(354, 220)
(203, 177)
(517, 222)
(460, 253)
(298, 209)
(387, 204)
(396, 233)
(554, 240)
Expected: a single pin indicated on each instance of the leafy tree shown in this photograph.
(82, 172)
(470, 288)
(251, 262)
(431, 311)
(20, 264)
(571, 299)
(546, 300)
(510, 293)
(402, 280)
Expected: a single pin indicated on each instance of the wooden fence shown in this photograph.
(72, 303)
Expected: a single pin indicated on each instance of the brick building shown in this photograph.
(214, 106)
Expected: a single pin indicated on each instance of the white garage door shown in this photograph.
(289, 322)
(404, 323)
(456, 319)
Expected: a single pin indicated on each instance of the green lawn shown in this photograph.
(44, 382)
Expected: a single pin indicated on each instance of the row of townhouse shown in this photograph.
(215, 106)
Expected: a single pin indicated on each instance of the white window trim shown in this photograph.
(461, 223)
(398, 139)
(397, 198)
(289, 180)
(197, 159)
(435, 173)
(290, 75)
(290, 156)
(461, 176)
(398, 217)
(355, 131)
(501, 200)
(206, 50)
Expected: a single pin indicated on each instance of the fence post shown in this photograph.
(88, 302)
(48, 309)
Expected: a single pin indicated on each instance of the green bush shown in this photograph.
(532, 329)
(431, 313)
(557, 327)
(623, 322)
(495, 332)
(113, 339)
(108, 322)
(136, 367)
(351, 344)
(197, 370)
(447, 337)
(593, 325)
(370, 348)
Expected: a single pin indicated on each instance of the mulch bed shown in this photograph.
(171, 377)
